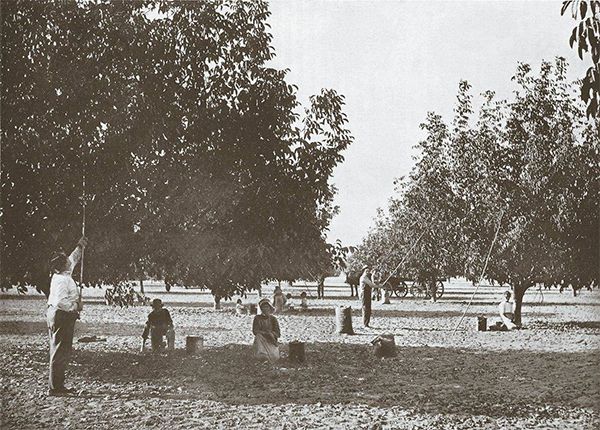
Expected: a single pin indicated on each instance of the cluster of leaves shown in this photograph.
(199, 167)
(124, 296)
(339, 256)
(586, 36)
(528, 168)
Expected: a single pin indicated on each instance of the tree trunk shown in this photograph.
(259, 289)
(519, 289)
(386, 296)
(141, 286)
(217, 302)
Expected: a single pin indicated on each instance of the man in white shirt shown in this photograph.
(366, 286)
(64, 305)
(507, 311)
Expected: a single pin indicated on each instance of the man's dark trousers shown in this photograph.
(366, 305)
(60, 330)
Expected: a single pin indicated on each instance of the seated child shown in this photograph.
(240, 309)
(158, 323)
(303, 301)
(506, 310)
(266, 332)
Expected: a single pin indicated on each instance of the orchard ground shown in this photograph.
(546, 375)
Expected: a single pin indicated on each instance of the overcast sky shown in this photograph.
(395, 61)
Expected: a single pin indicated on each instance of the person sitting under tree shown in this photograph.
(158, 324)
(240, 309)
(64, 305)
(506, 309)
(303, 301)
(266, 333)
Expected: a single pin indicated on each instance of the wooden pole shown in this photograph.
(487, 259)
(403, 259)
(82, 248)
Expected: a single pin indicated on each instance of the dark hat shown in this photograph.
(156, 303)
(57, 263)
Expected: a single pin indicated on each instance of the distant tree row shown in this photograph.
(201, 166)
(528, 167)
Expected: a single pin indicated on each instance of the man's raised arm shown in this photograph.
(76, 254)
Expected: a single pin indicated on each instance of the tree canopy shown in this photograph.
(586, 38)
(529, 167)
(201, 165)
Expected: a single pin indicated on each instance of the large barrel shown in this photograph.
(193, 344)
(343, 320)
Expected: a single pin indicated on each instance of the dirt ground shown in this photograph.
(546, 375)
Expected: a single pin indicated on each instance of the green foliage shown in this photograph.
(200, 168)
(531, 164)
(124, 296)
(586, 36)
(339, 256)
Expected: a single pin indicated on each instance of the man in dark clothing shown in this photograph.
(366, 286)
(321, 287)
(159, 322)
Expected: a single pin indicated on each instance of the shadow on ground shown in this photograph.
(433, 380)
(567, 325)
(103, 329)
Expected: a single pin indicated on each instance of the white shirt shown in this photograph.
(365, 281)
(63, 289)
(506, 307)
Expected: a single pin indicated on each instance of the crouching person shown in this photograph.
(158, 325)
(507, 312)
(266, 333)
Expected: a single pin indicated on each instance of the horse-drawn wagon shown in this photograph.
(402, 286)
(418, 288)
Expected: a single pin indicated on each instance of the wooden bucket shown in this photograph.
(297, 352)
(343, 320)
(193, 344)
